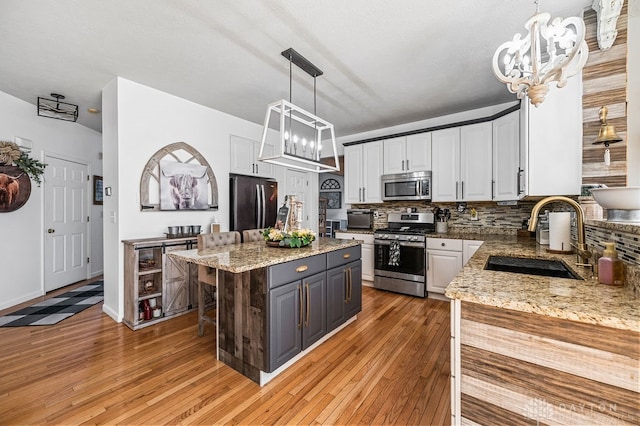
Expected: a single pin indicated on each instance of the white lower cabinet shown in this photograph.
(469, 248)
(367, 251)
(444, 261)
(445, 258)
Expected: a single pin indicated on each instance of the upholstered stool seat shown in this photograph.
(252, 235)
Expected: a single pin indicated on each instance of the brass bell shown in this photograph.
(607, 133)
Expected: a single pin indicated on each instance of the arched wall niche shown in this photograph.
(179, 152)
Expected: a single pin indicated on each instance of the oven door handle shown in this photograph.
(401, 243)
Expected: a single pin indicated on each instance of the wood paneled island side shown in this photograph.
(275, 304)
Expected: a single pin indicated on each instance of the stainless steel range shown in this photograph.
(401, 253)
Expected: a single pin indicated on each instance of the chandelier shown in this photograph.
(550, 52)
(301, 135)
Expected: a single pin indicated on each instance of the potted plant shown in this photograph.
(10, 153)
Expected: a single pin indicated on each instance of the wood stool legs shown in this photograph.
(206, 276)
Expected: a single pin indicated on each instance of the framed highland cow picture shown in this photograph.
(15, 188)
(183, 186)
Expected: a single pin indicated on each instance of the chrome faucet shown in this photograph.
(583, 252)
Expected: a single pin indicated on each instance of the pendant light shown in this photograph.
(550, 52)
(298, 136)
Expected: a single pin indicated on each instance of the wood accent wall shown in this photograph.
(242, 325)
(604, 79)
(522, 368)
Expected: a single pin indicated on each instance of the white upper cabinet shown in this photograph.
(462, 163)
(407, 153)
(363, 168)
(475, 161)
(551, 142)
(244, 157)
(446, 164)
(506, 157)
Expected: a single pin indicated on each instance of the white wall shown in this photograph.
(22, 238)
(137, 122)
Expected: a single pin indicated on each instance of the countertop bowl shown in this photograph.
(622, 198)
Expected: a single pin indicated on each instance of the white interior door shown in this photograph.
(65, 223)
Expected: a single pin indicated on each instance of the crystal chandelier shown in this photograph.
(550, 52)
(300, 134)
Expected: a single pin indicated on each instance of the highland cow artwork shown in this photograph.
(183, 186)
(15, 188)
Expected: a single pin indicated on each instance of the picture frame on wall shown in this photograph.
(98, 190)
(334, 199)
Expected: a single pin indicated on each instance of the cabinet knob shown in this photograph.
(51, 231)
(443, 244)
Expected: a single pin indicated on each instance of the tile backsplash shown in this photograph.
(492, 218)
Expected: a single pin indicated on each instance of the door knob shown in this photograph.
(51, 231)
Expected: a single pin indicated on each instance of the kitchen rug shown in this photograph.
(52, 311)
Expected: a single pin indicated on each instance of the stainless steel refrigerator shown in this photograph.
(253, 201)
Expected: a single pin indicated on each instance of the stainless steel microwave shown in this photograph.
(407, 186)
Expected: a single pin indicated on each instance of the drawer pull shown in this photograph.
(346, 255)
(302, 268)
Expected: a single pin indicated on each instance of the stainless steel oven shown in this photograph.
(400, 253)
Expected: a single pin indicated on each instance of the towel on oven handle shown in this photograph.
(394, 253)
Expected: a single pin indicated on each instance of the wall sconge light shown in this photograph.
(301, 135)
(606, 135)
(550, 52)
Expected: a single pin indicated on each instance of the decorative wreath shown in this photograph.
(10, 154)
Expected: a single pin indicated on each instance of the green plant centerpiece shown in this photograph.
(10, 153)
(296, 238)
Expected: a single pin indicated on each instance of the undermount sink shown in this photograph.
(522, 265)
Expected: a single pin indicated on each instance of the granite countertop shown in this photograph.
(583, 301)
(247, 256)
(356, 231)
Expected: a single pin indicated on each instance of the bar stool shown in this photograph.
(207, 275)
(252, 235)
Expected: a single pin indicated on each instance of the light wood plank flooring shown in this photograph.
(391, 366)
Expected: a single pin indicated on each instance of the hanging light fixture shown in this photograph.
(301, 135)
(550, 52)
(57, 109)
(607, 135)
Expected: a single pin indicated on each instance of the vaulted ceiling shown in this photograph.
(384, 62)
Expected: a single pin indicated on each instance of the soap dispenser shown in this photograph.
(610, 268)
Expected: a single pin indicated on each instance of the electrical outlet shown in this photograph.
(474, 214)
(376, 214)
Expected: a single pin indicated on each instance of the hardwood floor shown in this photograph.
(391, 366)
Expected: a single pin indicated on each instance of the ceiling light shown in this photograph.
(550, 52)
(296, 134)
(606, 135)
(55, 109)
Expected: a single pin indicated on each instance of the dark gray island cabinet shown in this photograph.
(273, 311)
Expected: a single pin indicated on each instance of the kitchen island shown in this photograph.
(276, 304)
(533, 348)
